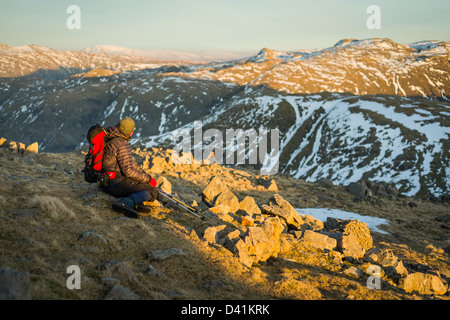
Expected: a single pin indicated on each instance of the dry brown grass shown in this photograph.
(45, 212)
(51, 206)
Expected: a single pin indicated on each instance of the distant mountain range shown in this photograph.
(24, 60)
(369, 108)
(166, 55)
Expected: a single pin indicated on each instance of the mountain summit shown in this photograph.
(370, 66)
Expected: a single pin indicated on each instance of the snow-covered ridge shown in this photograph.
(368, 66)
(165, 54)
(351, 111)
(344, 138)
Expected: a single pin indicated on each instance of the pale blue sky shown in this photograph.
(223, 25)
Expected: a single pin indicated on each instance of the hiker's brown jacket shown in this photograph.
(118, 158)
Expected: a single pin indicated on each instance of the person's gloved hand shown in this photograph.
(152, 182)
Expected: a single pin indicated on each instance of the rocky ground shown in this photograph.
(253, 244)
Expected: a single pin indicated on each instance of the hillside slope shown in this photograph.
(52, 219)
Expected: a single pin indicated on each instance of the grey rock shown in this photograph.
(443, 218)
(23, 213)
(110, 281)
(92, 238)
(165, 253)
(118, 269)
(152, 271)
(119, 292)
(357, 189)
(324, 183)
(14, 285)
(214, 284)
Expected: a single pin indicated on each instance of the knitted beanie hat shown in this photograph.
(126, 126)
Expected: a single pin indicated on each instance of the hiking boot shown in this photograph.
(126, 206)
(140, 207)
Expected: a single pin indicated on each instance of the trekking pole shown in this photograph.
(181, 204)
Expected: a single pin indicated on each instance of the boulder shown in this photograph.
(230, 240)
(227, 198)
(353, 272)
(323, 182)
(164, 184)
(156, 203)
(146, 163)
(308, 222)
(260, 245)
(247, 221)
(212, 190)
(216, 193)
(164, 254)
(353, 227)
(178, 159)
(423, 283)
(118, 270)
(317, 240)
(371, 255)
(266, 183)
(4, 143)
(444, 218)
(278, 206)
(13, 146)
(222, 211)
(273, 227)
(241, 250)
(156, 164)
(92, 238)
(349, 246)
(249, 206)
(119, 292)
(211, 235)
(257, 243)
(357, 189)
(14, 285)
(392, 266)
(152, 271)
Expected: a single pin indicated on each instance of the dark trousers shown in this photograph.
(122, 187)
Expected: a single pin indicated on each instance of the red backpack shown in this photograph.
(97, 138)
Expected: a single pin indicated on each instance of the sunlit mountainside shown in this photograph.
(368, 108)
